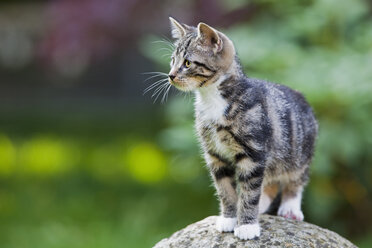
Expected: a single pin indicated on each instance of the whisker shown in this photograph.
(164, 49)
(154, 76)
(166, 39)
(153, 85)
(154, 72)
(165, 93)
(159, 41)
(166, 55)
(166, 42)
(170, 88)
(169, 44)
(160, 91)
(159, 88)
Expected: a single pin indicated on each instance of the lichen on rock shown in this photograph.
(275, 232)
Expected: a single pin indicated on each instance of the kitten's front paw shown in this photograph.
(224, 224)
(287, 210)
(247, 231)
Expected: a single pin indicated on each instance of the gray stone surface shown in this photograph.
(275, 232)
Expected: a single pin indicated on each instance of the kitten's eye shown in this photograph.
(187, 63)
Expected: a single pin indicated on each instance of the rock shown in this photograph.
(275, 232)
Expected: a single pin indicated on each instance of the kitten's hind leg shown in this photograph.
(268, 194)
(290, 207)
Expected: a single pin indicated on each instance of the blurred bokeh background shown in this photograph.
(87, 160)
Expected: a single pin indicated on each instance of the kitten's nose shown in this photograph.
(171, 76)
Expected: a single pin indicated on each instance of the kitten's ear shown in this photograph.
(178, 31)
(210, 37)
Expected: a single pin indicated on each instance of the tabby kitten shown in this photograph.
(257, 137)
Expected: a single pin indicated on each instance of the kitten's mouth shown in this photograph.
(185, 86)
(178, 85)
(172, 82)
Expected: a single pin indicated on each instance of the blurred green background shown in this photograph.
(87, 161)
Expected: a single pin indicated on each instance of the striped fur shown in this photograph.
(257, 137)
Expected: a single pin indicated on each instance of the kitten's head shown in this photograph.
(200, 57)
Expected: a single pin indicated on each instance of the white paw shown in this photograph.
(224, 224)
(291, 210)
(247, 231)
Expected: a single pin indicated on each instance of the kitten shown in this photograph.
(257, 137)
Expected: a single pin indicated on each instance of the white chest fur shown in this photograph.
(210, 107)
(210, 103)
